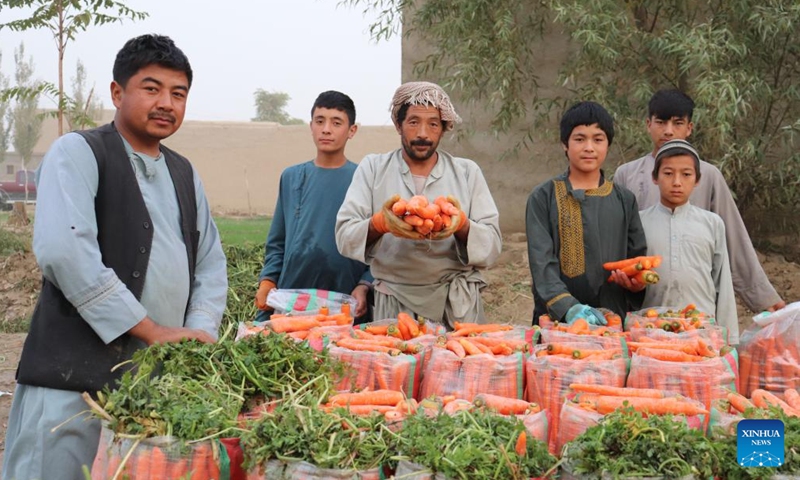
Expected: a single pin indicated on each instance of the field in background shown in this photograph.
(241, 230)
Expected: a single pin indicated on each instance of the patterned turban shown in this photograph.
(424, 93)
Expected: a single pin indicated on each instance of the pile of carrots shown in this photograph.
(405, 328)
(689, 350)
(764, 399)
(154, 462)
(425, 216)
(770, 362)
(572, 351)
(582, 327)
(638, 268)
(604, 399)
(683, 320)
(393, 405)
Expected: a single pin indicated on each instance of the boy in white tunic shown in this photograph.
(691, 240)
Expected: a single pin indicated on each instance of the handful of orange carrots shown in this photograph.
(638, 268)
(438, 218)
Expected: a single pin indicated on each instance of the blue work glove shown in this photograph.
(591, 315)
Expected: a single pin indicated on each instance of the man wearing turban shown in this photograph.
(437, 277)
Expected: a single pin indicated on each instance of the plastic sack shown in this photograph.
(704, 381)
(549, 377)
(412, 471)
(446, 374)
(536, 424)
(714, 335)
(769, 355)
(377, 370)
(573, 421)
(308, 301)
(158, 458)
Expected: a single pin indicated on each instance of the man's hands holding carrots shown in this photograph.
(419, 219)
(386, 221)
(634, 274)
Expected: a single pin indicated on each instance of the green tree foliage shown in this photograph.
(5, 117)
(738, 59)
(65, 19)
(270, 107)
(27, 120)
(84, 107)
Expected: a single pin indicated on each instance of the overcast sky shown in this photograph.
(301, 47)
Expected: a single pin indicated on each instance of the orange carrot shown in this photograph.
(503, 405)
(142, 466)
(522, 444)
(792, 398)
(411, 325)
(466, 331)
(415, 203)
(469, 347)
(377, 329)
(293, 324)
(158, 463)
(456, 348)
(399, 207)
(620, 264)
(366, 346)
(200, 462)
(414, 220)
(404, 333)
(739, 402)
(764, 399)
(669, 355)
(376, 397)
(659, 406)
(617, 391)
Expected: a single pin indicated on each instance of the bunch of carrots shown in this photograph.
(302, 327)
(393, 405)
(574, 351)
(582, 327)
(427, 217)
(764, 399)
(463, 347)
(689, 350)
(680, 320)
(638, 268)
(605, 399)
(405, 328)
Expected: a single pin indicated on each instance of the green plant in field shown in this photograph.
(472, 445)
(11, 242)
(244, 266)
(627, 444)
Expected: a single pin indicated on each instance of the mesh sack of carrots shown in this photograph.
(460, 368)
(310, 301)
(554, 366)
(419, 335)
(156, 458)
(674, 368)
(517, 337)
(574, 420)
(669, 319)
(769, 352)
(377, 370)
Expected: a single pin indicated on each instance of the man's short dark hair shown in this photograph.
(403, 111)
(140, 52)
(586, 113)
(337, 101)
(670, 103)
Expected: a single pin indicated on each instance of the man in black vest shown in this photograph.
(130, 256)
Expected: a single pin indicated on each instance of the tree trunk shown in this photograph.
(61, 48)
(19, 215)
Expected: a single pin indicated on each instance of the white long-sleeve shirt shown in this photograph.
(712, 194)
(695, 267)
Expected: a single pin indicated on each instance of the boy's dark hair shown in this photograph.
(670, 103)
(586, 113)
(140, 52)
(675, 148)
(337, 101)
(401, 116)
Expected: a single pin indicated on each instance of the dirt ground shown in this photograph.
(508, 299)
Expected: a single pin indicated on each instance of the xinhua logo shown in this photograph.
(760, 443)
